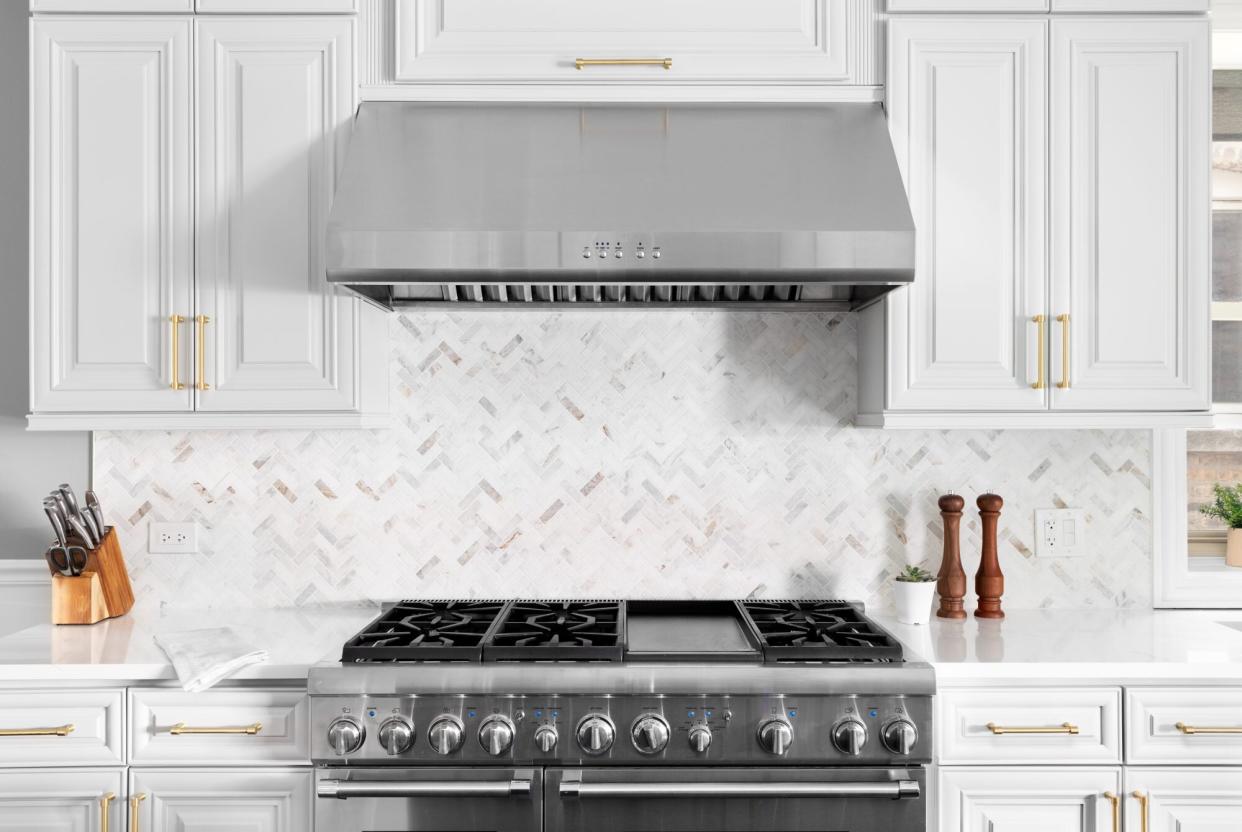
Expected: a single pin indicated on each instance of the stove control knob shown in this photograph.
(899, 736)
(595, 734)
(396, 734)
(545, 738)
(775, 736)
(649, 734)
(849, 736)
(345, 735)
(445, 735)
(496, 735)
(700, 739)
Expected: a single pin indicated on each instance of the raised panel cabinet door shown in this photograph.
(275, 99)
(967, 114)
(1131, 233)
(998, 799)
(62, 800)
(214, 799)
(1184, 799)
(111, 235)
(706, 41)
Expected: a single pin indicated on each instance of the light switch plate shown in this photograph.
(1060, 533)
(173, 539)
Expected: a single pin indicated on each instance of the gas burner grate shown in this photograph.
(559, 631)
(427, 631)
(819, 631)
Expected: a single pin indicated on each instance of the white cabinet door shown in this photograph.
(1027, 799)
(209, 800)
(967, 113)
(61, 800)
(275, 99)
(1130, 230)
(1185, 799)
(111, 235)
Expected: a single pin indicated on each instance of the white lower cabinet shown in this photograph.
(1184, 799)
(62, 800)
(216, 799)
(1016, 799)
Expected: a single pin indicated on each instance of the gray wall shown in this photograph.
(30, 463)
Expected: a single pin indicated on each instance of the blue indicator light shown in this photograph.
(538, 713)
(873, 713)
(689, 714)
(793, 714)
(707, 714)
(555, 714)
(470, 714)
(371, 713)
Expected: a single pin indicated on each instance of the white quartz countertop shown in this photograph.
(124, 649)
(1079, 645)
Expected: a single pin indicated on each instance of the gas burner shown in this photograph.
(426, 630)
(557, 631)
(819, 631)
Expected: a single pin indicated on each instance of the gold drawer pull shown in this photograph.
(579, 63)
(105, 804)
(133, 810)
(181, 728)
(1208, 729)
(61, 731)
(176, 321)
(1144, 809)
(1042, 380)
(1064, 383)
(200, 352)
(1063, 728)
(1112, 798)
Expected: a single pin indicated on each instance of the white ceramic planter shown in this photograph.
(914, 601)
(1233, 548)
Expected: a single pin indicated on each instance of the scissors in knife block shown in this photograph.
(68, 560)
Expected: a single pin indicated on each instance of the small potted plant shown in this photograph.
(1228, 507)
(914, 592)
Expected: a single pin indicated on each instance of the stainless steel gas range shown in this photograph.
(520, 716)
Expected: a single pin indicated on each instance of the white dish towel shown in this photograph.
(207, 656)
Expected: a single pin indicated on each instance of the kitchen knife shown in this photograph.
(58, 525)
(96, 510)
(89, 522)
(80, 531)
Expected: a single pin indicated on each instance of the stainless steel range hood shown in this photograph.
(689, 204)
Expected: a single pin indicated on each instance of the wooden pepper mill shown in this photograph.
(951, 583)
(989, 580)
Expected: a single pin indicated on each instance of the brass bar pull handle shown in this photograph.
(1063, 728)
(200, 353)
(105, 809)
(58, 731)
(1144, 809)
(175, 322)
(133, 810)
(1112, 798)
(1064, 383)
(181, 728)
(580, 63)
(1208, 729)
(1042, 380)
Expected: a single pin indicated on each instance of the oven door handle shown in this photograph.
(895, 789)
(344, 789)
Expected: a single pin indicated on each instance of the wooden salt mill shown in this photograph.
(989, 580)
(951, 583)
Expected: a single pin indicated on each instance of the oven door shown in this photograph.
(735, 799)
(428, 800)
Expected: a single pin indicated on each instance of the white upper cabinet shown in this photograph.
(1131, 240)
(967, 114)
(275, 99)
(540, 41)
(112, 238)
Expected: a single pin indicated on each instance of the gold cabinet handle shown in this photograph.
(1208, 729)
(181, 728)
(1063, 728)
(200, 352)
(579, 63)
(1042, 380)
(1144, 809)
(105, 808)
(175, 323)
(1112, 798)
(133, 810)
(1064, 383)
(59, 731)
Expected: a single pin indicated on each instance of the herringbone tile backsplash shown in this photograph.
(699, 453)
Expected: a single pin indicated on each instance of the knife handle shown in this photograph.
(53, 516)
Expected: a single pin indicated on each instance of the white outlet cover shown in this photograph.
(173, 538)
(1060, 533)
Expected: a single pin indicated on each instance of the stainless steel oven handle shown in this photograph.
(895, 789)
(343, 789)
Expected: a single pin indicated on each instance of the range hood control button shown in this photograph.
(650, 734)
(396, 735)
(700, 739)
(545, 738)
(775, 736)
(445, 735)
(496, 735)
(849, 736)
(595, 734)
(345, 735)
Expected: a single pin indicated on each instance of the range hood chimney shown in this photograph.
(614, 204)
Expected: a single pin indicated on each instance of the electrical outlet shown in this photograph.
(173, 538)
(1060, 533)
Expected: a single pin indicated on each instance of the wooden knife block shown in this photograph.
(101, 591)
